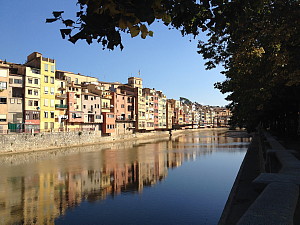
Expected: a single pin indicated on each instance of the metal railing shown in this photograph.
(61, 106)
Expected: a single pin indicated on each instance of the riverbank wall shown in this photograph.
(21, 143)
(266, 190)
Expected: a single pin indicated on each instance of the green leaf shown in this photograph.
(50, 20)
(65, 32)
(68, 23)
(57, 14)
(134, 31)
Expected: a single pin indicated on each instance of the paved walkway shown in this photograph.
(277, 203)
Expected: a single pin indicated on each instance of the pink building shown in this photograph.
(124, 111)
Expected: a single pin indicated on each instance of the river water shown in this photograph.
(185, 180)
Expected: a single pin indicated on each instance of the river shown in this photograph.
(185, 180)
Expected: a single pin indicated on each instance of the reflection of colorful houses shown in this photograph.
(42, 198)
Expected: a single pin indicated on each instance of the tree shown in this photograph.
(257, 42)
(104, 20)
(259, 50)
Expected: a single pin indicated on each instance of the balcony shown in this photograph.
(106, 96)
(122, 119)
(48, 60)
(61, 106)
(35, 70)
(59, 95)
(61, 88)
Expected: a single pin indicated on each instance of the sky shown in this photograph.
(167, 61)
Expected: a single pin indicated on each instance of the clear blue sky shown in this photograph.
(167, 61)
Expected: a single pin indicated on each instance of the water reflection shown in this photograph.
(37, 188)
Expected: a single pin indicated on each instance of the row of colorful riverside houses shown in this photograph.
(35, 97)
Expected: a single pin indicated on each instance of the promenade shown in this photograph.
(266, 189)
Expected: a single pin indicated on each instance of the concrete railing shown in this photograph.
(278, 201)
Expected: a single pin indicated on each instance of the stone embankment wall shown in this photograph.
(19, 143)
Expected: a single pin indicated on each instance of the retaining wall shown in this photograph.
(19, 143)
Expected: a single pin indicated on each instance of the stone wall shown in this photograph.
(18, 143)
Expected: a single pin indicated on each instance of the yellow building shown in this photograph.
(47, 106)
(32, 98)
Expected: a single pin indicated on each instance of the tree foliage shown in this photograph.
(104, 20)
(259, 49)
(257, 42)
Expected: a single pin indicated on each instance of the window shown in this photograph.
(76, 80)
(52, 69)
(52, 114)
(45, 102)
(3, 85)
(52, 102)
(46, 90)
(3, 100)
(46, 114)
(46, 125)
(52, 80)
(11, 80)
(2, 117)
(17, 92)
(27, 116)
(84, 106)
(36, 92)
(30, 103)
(17, 81)
(36, 103)
(29, 80)
(110, 116)
(19, 101)
(52, 91)
(46, 67)
(51, 125)
(122, 106)
(36, 81)
(36, 116)
(86, 97)
(12, 101)
(46, 79)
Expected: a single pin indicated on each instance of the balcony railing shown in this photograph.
(124, 119)
(58, 95)
(61, 106)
